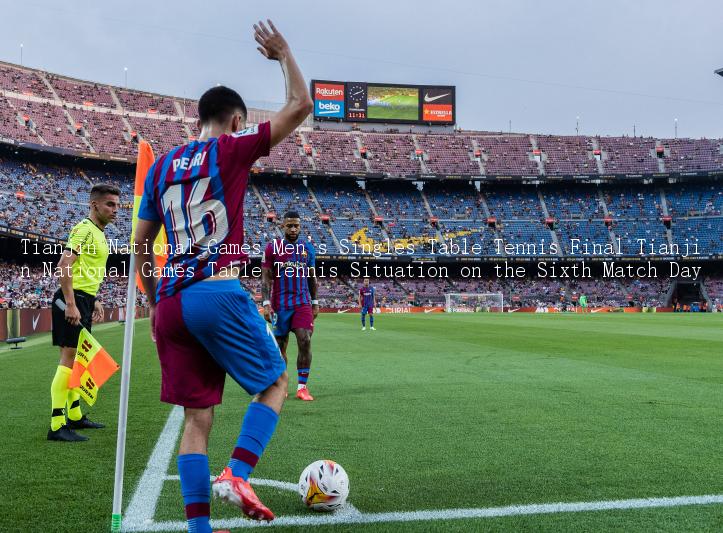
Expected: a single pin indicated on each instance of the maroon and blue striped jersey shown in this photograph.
(289, 264)
(197, 190)
(367, 294)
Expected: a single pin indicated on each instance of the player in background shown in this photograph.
(583, 303)
(81, 269)
(204, 323)
(289, 292)
(367, 302)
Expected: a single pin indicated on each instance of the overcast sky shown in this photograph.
(614, 63)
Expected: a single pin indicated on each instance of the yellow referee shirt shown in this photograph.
(88, 242)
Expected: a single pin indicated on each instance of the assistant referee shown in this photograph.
(82, 268)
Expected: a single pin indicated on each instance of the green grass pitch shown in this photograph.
(429, 412)
(401, 107)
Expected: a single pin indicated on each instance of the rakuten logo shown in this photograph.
(326, 91)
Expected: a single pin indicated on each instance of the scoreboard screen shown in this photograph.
(354, 101)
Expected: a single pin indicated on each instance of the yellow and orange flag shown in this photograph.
(143, 164)
(92, 367)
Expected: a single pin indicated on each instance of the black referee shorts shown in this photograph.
(64, 333)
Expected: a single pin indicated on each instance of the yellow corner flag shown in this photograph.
(92, 367)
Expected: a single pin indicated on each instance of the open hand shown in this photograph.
(272, 43)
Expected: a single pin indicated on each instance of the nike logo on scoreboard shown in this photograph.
(429, 99)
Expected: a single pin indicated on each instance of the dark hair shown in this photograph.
(101, 189)
(218, 104)
(291, 214)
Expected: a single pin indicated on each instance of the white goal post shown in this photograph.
(474, 302)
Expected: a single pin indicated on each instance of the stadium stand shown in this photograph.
(49, 122)
(83, 116)
(78, 92)
(397, 200)
(567, 155)
(23, 81)
(449, 154)
(694, 200)
(13, 126)
(454, 200)
(632, 202)
(513, 203)
(36, 289)
(341, 198)
(287, 155)
(162, 134)
(146, 103)
(628, 155)
(391, 154)
(507, 155)
(160, 119)
(106, 132)
(336, 151)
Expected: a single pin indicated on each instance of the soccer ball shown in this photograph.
(324, 486)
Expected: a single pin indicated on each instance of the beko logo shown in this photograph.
(328, 108)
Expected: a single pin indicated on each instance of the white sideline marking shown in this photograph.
(143, 505)
(341, 517)
(140, 512)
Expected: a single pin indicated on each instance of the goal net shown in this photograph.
(471, 302)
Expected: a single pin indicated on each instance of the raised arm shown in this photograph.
(273, 46)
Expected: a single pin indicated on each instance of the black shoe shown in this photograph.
(65, 434)
(84, 423)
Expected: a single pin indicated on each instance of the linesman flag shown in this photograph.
(143, 164)
(92, 367)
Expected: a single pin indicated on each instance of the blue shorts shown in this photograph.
(367, 310)
(208, 330)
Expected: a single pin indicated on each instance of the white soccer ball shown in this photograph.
(324, 486)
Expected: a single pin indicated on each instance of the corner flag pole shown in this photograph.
(144, 162)
(120, 449)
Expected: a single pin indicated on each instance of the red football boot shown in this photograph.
(238, 492)
(303, 394)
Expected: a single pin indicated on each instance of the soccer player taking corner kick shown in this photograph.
(204, 323)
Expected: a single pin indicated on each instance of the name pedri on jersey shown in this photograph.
(197, 190)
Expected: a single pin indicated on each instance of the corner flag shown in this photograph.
(143, 165)
(92, 367)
